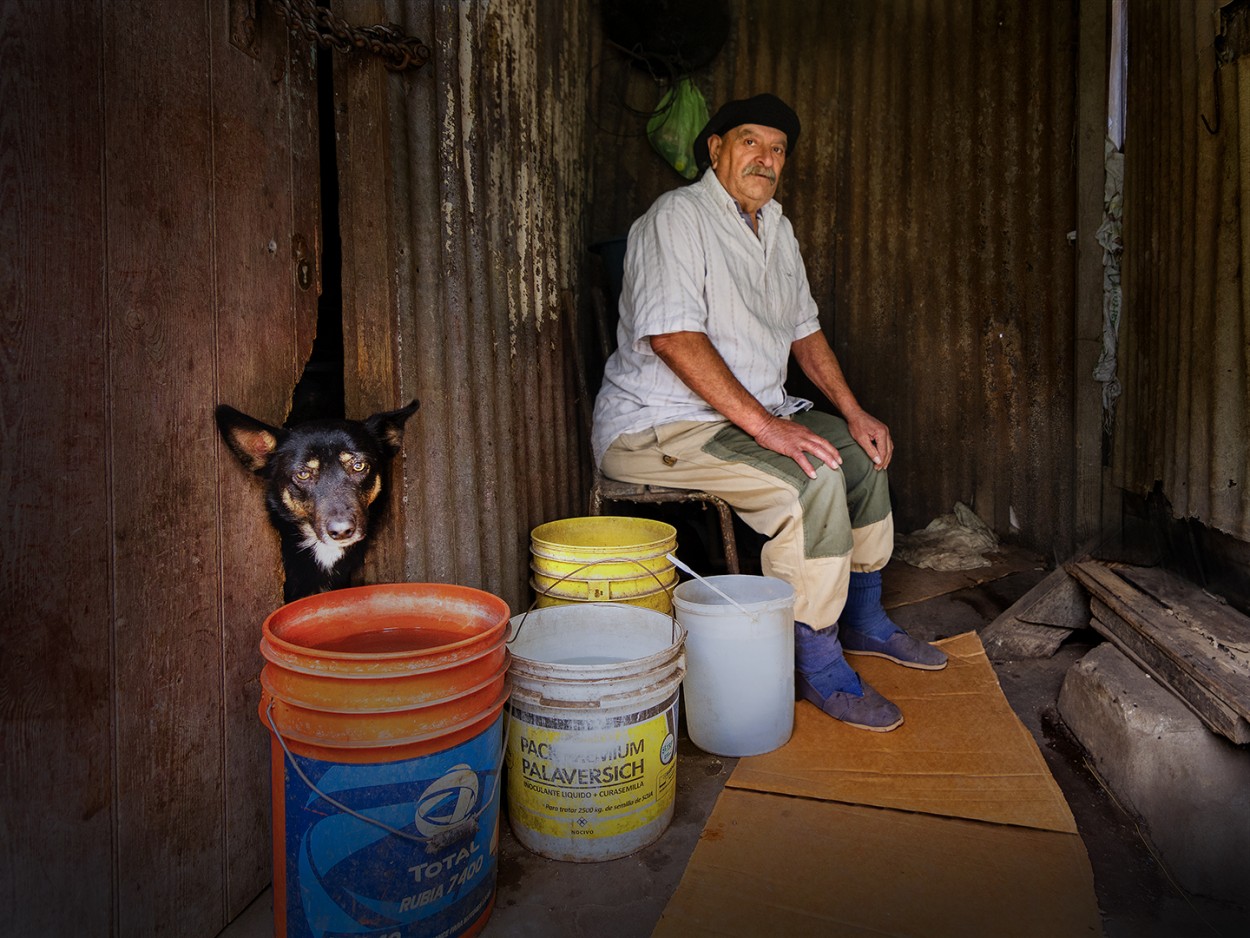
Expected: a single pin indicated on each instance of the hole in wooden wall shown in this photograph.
(319, 392)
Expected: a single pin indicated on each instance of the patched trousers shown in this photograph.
(819, 530)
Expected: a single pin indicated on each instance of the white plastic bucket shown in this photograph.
(740, 663)
(592, 732)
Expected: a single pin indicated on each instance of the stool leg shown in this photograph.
(727, 536)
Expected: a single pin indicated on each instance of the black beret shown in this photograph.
(766, 110)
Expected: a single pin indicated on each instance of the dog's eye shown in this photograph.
(359, 465)
(304, 475)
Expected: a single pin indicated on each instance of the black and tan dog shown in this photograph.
(322, 481)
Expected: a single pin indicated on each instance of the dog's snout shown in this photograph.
(341, 529)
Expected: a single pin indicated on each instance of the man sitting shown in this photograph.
(714, 300)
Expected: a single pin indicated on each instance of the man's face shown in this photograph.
(748, 160)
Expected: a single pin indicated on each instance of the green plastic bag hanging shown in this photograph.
(677, 120)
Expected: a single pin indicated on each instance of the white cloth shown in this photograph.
(693, 265)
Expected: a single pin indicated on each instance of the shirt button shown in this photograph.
(670, 460)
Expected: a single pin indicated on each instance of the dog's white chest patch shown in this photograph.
(327, 555)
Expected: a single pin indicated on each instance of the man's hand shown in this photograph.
(699, 365)
(873, 437)
(819, 363)
(796, 441)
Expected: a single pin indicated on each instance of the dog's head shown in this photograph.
(321, 477)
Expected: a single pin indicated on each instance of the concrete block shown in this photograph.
(1190, 786)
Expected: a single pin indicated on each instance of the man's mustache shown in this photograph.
(756, 170)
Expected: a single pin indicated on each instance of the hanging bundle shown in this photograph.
(672, 129)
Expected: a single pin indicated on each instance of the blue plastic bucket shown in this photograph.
(386, 762)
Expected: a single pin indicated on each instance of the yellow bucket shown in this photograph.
(604, 559)
(660, 600)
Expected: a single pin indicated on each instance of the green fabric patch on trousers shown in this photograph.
(857, 493)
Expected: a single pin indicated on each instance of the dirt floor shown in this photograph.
(625, 898)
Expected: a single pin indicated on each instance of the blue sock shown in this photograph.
(818, 658)
(863, 612)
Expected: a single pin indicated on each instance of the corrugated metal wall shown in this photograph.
(1186, 317)
(473, 171)
(932, 191)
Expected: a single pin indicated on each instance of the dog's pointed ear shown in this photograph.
(251, 441)
(389, 426)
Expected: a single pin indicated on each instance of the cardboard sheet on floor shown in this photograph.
(961, 751)
(902, 584)
(768, 865)
(951, 824)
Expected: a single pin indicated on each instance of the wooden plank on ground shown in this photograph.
(1039, 621)
(1210, 709)
(1188, 650)
(1011, 639)
(903, 584)
(1222, 627)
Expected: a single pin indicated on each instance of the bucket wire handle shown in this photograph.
(592, 563)
(423, 841)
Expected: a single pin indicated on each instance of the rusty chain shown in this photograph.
(320, 25)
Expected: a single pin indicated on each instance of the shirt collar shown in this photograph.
(713, 189)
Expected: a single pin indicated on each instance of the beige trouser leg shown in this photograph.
(814, 542)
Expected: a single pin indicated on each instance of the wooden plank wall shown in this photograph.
(56, 770)
(167, 694)
(267, 222)
(154, 178)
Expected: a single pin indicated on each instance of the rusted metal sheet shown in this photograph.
(932, 191)
(481, 219)
(1181, 422)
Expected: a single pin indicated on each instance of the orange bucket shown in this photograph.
(385, 710)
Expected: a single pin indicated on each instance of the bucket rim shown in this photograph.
(724, 582)
(629, 610)
(659, 532)
(573, 554)
(667, 572)
(500, 672)
(345, 597)
(621, 593)
(271, 654)
(533, 700)
(488, 712)
(526, 666)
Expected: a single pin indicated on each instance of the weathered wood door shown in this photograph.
(160, 228)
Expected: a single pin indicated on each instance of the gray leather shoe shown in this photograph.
(900, 648)
(870, 711)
